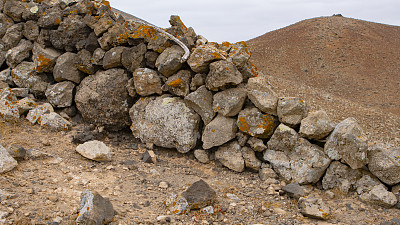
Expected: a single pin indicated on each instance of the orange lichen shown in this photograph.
(176, 83)
(242, 124)
(42, 63)
(145, 31)
(106, 3)
(57, 21)
(226, 44)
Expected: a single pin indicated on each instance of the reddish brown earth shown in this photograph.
(345, 66)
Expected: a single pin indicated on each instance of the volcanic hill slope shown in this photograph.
(347, 67)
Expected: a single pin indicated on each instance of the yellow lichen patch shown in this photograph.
(226, 44)
(145, 31)
(42, 63)
(216, 55)
(176, 83)
(242, 43)
(106, 3)
(58, 21)
(242, 124)
(123, 38)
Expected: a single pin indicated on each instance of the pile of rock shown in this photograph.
(81, 57)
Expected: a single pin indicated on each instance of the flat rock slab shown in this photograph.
(314, 208)
(95, 150)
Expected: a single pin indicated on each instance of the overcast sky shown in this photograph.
(241, 20)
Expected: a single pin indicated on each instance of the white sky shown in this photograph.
(241, 20)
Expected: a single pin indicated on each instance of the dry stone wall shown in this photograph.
(74, 57)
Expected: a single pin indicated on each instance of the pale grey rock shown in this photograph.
(253, 122)
(177, 204)
(157, 121)
(250, 159)
(94, 209)
(147, 82)
(266, 172)
(257, 144)
(8, 94)
(316, 126)
(296, 191)
(8, 110)
(313, 207)
(95, 104)
(380, 196)
(17, 54)
(202, 56)
(348, 143)
(229, 102)
(21, 92)
(261, 95)
(295, 158)
(291, 110)
(366, 183)
(198, 80)
(66, 68)
(396, 191)
(44, 58)
(384, 163)
(5, 76)
(34, 115)
(222, 73)
(25, 104)
(340, 176)
(239, 54)
(219, 131)
(242, 138)
(201, 102)
(54, 121)
(7, 162)
(178, 84)
(230, 155)
(202, 155)
(95, 150)
(24, 76)
(12, 36)
(31, 30)
(169, 61)
(61, 94)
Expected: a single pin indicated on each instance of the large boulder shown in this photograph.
(291, 110)
(202, 56)
(219, 131)
(147, 82)
(93, 99)
(316, 126)
(340, 176)
(384, 163)
(261, 94)
(229, 102)
(95, 150)
(254, 123)
(295, 158)
(230, 155)
(201, 102)
(169, 61)
(222, 73)
(348, 143)
(166, 122)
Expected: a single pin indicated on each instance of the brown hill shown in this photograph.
(346, 66)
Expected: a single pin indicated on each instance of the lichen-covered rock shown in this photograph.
(134, 57)
(61, 94)
(239, 54)
(147, 82)
(295, 158)
(291, 110)
(316, 126)
(12, 36)
(95, 150)
(31, 30)
(178, 84)
(313, 207)
(44, 58)
(17, 54)
(166, 122)
(169, 61)
(86, 66)
(340, 176)
(219, 131)
(24, 76)
(8, 94)
(66, 68)
(157, 41)
(366, 183)
(230, 101)
(230, 155)
(222, 73)
(8, 110)
(261, 95)
(54, 121)
(202, 56)
(348, 143)
(25, 104)
(201, 102)
(5, 76)
(51, 17)
(7, 162)
(384, 163)
(94, 103)
(380, 196)
(254, 123)
(94, 209)
(249, 70)
(113, 57)
(35, 115)
(250, 159)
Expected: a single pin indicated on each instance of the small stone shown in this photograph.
(257, 144)
(94, 209)
(202, 155)
(177, 204)
(17, 152)
(316, 126)
(149, 157)
(147, 82)
(169, 61)
(4, 195)
(163, 185)
(199, 195)
(253, 122)
(95, 150)
(7, 162)
(314, 208)
(330, 194)
(296, 191)
(163, 219)
(266, 172)
(250, 159)
(54, 121)
(230, 155)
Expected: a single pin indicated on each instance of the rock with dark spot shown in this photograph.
(94, 209)
(112, 58)
(178, 84)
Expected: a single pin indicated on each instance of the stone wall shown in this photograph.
(82, 57)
